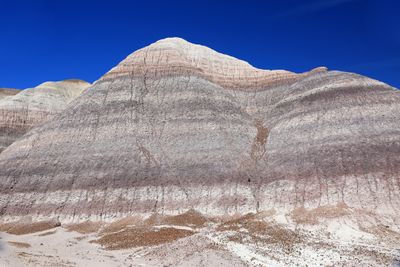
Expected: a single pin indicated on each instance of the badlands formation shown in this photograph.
(183, 156)
(22, 110)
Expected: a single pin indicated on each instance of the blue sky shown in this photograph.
(45, 40)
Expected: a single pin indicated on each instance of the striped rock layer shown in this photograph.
(177, 126)
(22, 110)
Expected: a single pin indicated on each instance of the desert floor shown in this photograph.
(190, 239)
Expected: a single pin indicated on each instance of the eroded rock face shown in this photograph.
(21, 110)
(178, 126)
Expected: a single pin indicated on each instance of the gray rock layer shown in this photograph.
(22, 110)
(170, 142)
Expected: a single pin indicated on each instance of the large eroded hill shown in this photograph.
(177, 126)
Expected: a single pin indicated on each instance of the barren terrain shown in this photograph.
(191, 239)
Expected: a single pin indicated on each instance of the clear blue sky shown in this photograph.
(54, 40)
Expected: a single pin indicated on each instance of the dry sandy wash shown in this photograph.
(330, 236)
(280, 168)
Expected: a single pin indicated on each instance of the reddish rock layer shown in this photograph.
(176, 57)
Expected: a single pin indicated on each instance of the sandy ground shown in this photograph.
(64, 248)
(252, 240)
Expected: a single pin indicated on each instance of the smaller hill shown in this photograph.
(20, 110)
(6, 92)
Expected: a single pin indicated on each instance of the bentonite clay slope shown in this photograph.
(176, 126)
(20, 111)
(6, 92)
